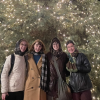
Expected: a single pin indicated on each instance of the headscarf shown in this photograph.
(17, 48)
(75, 53)
(71, 65)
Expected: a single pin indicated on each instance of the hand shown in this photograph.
(71, 67)
(4, 96)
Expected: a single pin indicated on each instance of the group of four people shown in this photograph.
(43, 76)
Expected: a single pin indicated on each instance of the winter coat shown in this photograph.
(80, 81)
(32, 86)
(16, 80)
(52, 75)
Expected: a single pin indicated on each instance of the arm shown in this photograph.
(85, 65)
(4, 76)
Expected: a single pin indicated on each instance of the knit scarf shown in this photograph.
(43, 80)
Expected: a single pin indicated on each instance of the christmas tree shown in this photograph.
(77, 20)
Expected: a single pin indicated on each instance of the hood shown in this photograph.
(51, 45)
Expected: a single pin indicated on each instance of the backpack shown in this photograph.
(12, 64)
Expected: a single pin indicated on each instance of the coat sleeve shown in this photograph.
(85, 66)
(4, 75)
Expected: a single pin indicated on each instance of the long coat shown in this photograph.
(52, 75)
(32, 86)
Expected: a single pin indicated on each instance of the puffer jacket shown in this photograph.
(52, 75)
(80, 81)
(16, 80)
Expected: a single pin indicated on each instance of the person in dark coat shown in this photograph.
(79, 67)
(61, 60)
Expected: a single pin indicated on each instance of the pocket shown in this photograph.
(32, 84)
(15, 80)
(12, 82)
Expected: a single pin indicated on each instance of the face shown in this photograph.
(23, 46)
(37, 47)
(70, 48)
(56, 46)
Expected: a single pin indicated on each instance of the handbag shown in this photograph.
(64, 92)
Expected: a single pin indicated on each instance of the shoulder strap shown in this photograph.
(56, 67)
(12, 63)
(2, 68)
(26, 61)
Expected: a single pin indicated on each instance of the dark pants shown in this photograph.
(15, 95)
(85, 95)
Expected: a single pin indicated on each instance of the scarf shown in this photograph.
(71, 65)
(43, 79)
(17, 48)
(57, 53)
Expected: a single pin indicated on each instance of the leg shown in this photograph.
(20, 95)
(76, 96)
(86, 95)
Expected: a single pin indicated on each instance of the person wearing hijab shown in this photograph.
(79, 67)
(12, 86)
(57, 73)
(36, 82)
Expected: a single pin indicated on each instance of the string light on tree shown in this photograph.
(77, 20)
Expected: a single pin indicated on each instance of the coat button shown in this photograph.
(32, 87)
(32, 77)
(39, 86)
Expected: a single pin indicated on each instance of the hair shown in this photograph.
(69, 41)
(39, 43)
(21, 40)
(24, 41)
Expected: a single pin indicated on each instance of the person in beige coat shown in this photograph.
(12, 85)
(36, 82)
